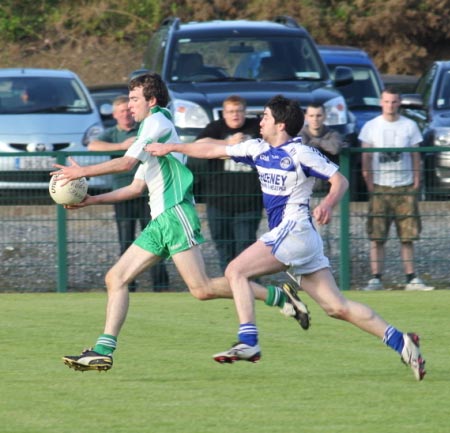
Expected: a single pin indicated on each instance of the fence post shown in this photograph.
(61, 233)
(344, 240)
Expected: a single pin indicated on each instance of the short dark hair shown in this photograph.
(287, 111)
(392, 90)
(153, 86)
(316, 105)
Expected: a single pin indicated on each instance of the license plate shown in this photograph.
(34, 163)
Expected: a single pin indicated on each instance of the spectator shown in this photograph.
(315, 134)
(393, 182)
(232, 192)
(128, 213)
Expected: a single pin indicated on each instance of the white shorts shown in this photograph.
(297, 244)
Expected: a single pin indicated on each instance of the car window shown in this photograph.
(443, 94)
(154, 53)
(107, 96)
(425, 83)
(22, 95)
(364, 90)
(207, 59)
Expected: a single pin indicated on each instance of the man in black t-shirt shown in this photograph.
(231, 190)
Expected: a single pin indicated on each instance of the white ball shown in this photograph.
(72, 192)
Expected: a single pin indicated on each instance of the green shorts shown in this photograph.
(176, 229)
(397, 205)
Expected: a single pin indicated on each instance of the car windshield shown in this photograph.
(240, 59)
(364, 90)
(107, 96)
(27, 95)
(443, 94)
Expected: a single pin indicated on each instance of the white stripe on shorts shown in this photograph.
(187, 228)
(282, 235)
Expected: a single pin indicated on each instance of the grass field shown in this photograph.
(332, 378)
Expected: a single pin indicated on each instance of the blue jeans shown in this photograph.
(232, 232)
(128, 214)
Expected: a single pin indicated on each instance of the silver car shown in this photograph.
(44, 110)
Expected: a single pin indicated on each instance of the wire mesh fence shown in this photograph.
(31, 246)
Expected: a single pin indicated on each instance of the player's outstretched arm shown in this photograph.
(195, 150)
(106, 146)
(74, 171)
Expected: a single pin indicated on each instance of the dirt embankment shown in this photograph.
(96, 62)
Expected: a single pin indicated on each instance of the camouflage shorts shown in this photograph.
(397, 205)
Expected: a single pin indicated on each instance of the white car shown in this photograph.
(44, 110)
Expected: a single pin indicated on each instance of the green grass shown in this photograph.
(332, 378)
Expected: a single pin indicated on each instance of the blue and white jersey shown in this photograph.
(287, 174)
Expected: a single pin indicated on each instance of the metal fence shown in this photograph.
(46, 248)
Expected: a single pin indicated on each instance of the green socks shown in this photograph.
(105, 345)
(275, 297)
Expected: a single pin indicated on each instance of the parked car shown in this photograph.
(363, 93)
(204, 62)
(429, 106)
(103, 96)
(43, 110)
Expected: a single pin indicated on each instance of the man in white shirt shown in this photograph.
(393, 183)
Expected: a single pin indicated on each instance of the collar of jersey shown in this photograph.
(162, 110)
(297, 140)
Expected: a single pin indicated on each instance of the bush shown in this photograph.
(401, 35)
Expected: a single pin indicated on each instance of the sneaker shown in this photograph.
(89, 360)
(411, 355)
(239, 352)
(294, 307)
(418, 284)
(374, 284)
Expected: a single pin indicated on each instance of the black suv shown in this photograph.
(429, 106)
(204, 62)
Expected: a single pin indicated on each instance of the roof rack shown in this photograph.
(286, 20)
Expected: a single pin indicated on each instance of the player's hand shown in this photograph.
(323, 213)
(66, 173)
(85, 202)
(157, 149)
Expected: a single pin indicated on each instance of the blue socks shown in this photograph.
(248, 334)
(394, 339)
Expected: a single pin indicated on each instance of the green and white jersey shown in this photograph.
(168, 180)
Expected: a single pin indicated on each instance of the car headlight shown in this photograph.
(92, 132)
(187, 114)
(442, 137)
(335, 111)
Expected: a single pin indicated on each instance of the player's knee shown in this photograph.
(201, 293)
(231, 272)
(113, 279)
(337, 311)
(109, 278)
